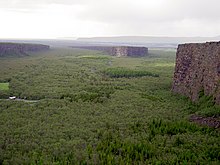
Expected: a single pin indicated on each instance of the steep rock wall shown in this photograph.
(129, 51)
(19, 49)
(197, 69)
(120, 50)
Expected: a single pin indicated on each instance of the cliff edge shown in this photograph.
(20, 49)
(198, 69)
(119, 51)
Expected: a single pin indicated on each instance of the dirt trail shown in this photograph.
(27, 101)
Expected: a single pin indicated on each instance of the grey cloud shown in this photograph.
(136, 16)
(124, 10)
(173, 16)
(173, 10)
(26, 4)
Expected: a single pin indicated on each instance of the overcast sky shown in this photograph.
(90, 18)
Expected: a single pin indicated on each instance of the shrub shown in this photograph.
(127, 73)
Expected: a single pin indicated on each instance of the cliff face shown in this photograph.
(18, 49)
(198, 68)
(120, 50)
(129, 51)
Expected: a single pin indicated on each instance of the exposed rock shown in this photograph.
(206, 121)
(20, 49)
(197, 69)
(120, 50)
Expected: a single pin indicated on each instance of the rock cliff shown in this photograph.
(198, 69)
(128, 51)
(20, 49)
(120, 50)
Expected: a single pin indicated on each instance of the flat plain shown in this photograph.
(93, 108)
(4, 86)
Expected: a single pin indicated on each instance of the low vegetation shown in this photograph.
(95, 110)
(127, 73)
(4, 86)
(205, 106)
(155, 138)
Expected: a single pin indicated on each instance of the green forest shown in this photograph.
(85, 107)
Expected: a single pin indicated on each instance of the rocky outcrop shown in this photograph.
(198, 69)
(128, 51)
(120, 51)
(20, 49)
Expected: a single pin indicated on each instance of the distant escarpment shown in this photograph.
(198, 70)
(120, 51)
(20, 49)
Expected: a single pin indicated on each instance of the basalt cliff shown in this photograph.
(20, 49)
(120, 51)
(198, 70)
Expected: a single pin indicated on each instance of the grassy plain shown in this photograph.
(4, 86)
(86, 116)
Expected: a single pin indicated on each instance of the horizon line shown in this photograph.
(76, 38)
